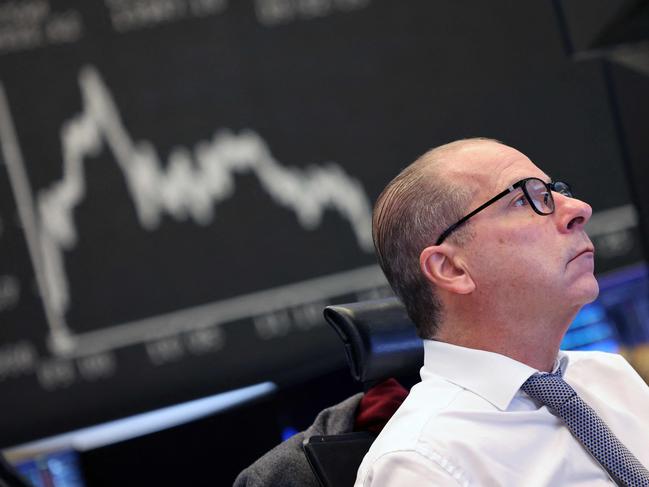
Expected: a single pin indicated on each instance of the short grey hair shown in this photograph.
(409, 215)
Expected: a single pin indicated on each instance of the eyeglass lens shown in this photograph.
(541, 196)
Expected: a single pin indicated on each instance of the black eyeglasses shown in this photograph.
(538, 193)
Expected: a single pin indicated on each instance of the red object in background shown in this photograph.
(378, 405)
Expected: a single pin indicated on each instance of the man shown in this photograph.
(492, 263)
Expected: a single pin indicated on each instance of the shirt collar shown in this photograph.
(561, 363)
(492, 376)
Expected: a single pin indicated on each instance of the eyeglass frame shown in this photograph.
(556, 186)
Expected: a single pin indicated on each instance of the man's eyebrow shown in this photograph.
(548, 179)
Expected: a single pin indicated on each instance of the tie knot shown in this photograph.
(548, 389)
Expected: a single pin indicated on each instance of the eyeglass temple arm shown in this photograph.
(463, 220)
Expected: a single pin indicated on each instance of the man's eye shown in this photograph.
(520, 201)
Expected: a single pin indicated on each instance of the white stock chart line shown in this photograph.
(188, 187)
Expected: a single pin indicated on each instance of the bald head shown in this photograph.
(413, 210)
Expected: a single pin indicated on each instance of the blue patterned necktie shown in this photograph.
(588, 428)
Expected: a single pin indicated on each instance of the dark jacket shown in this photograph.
(286, 465)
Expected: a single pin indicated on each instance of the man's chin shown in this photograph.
(589, 291)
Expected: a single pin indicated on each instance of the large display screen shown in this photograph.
(184, 184)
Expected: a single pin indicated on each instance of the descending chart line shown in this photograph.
(188, 186)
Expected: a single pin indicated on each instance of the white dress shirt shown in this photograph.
(468, 423)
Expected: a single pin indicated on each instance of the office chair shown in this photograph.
(380, 342)
(380, 339)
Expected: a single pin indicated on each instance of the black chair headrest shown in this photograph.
(380, 339)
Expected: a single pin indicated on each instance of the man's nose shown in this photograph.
(572, 213)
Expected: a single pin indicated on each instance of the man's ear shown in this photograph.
(445, 269)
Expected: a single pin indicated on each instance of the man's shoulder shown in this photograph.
(426, 436)
(421, 412)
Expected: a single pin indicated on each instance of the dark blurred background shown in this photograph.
(185, 184)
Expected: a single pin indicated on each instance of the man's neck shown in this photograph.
(534, 342)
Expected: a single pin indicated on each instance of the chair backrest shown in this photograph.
(380, 342)
(380, 339)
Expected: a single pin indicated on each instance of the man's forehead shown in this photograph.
(489, 166)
